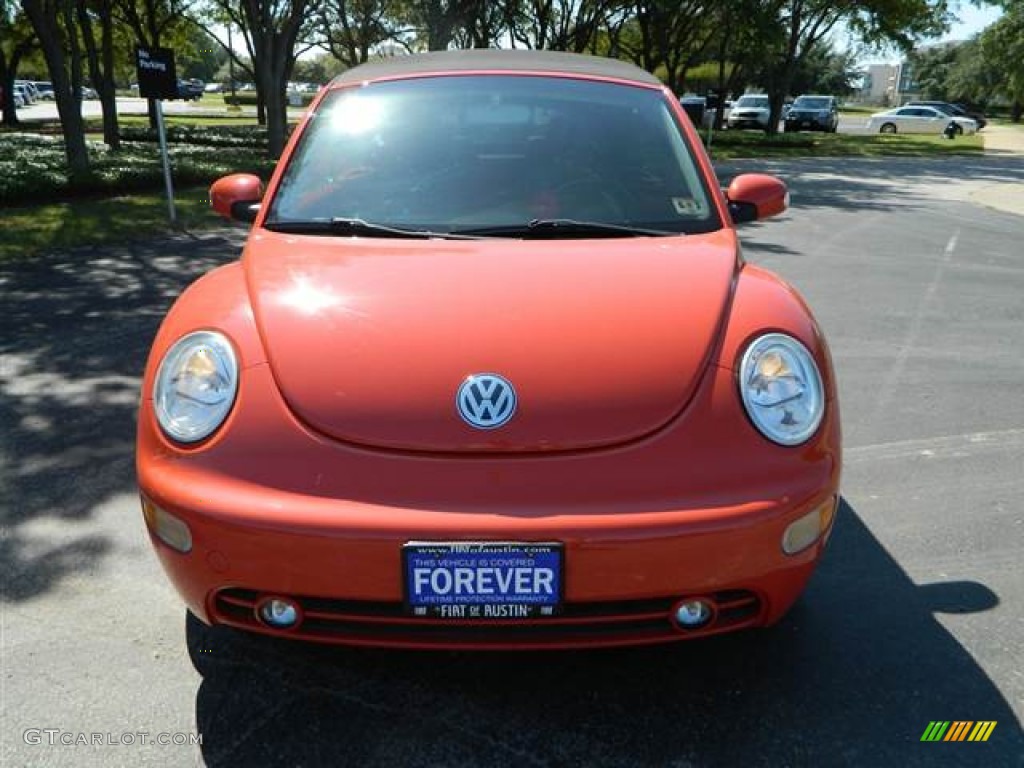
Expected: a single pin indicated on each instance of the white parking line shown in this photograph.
(946, 446)
(892, 378)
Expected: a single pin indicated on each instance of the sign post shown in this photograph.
(162, 134)
(154, 68)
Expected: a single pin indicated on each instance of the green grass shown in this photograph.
(25, 232)
(734, 145)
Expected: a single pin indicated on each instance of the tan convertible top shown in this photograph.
(496, 60)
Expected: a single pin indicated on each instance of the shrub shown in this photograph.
(205, 135)
(249, 99)
(33, 167)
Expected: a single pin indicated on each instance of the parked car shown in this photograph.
(89, 93)
(751, 110)
(19, 98)
(813, 113)
(956, 110)
(44, 89)
(27, 96)
(702, 109)
(31, 92)
(695, 108)
(416, 412)
(191, 90)
(919, 120)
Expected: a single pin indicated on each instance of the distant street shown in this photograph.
(47, 110)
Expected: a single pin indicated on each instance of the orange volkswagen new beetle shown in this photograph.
(491, 372)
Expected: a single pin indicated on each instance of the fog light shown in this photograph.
(805, 530)
(278, 613)
(169, 529)
(693, 613)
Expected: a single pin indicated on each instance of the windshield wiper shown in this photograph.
(360, 227)
(554, 228)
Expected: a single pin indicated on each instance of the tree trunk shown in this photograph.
(1016, 111)
(277, 120)
(101, 72)
(66, 90)
(111, 130)
(7, 75)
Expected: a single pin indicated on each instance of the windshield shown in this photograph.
(758, 102)
(811, 102)
(492, 155)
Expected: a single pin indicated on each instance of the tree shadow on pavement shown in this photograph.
(77, 326)
(883, 184)
(852, 676)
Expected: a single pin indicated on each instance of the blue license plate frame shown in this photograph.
(483, 580)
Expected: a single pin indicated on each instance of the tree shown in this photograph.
(560, 25)
(155, 24)
(54, 24)
(351, 29)
(17, 38)
(1002, 45)
(808, 22)
(674, 34)
(201, 56)
(486, 24)
(272, 31)
(100, 59)
(825, 70)
(433, 24)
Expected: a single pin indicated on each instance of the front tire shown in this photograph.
(888, 128)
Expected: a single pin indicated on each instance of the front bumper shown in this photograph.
(622, 577)
(747, 122)
(807, 124)
(275, 509)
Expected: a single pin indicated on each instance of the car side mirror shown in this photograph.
(237, 197)
(753, 196)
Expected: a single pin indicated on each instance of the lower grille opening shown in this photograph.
(607, 623)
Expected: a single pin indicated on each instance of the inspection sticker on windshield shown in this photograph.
(482, 580)
(687, 206)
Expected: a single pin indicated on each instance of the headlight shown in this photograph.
(195, 386)
(781, 389)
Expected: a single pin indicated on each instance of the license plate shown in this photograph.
(482, 580)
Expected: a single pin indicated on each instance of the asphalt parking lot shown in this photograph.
(916, 614)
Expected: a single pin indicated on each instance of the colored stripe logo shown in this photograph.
(958, 730)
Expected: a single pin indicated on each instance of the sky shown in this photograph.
(972, 21)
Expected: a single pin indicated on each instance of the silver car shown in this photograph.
(919, 120)
(751, 110)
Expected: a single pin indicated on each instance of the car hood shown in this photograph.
(604, 341)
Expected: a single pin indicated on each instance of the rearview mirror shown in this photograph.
(237, 197)
(754, 196)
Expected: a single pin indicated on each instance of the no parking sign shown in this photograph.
(154, 68)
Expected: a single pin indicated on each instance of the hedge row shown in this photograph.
(33, 168)
(248, 99)
(203, 135)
